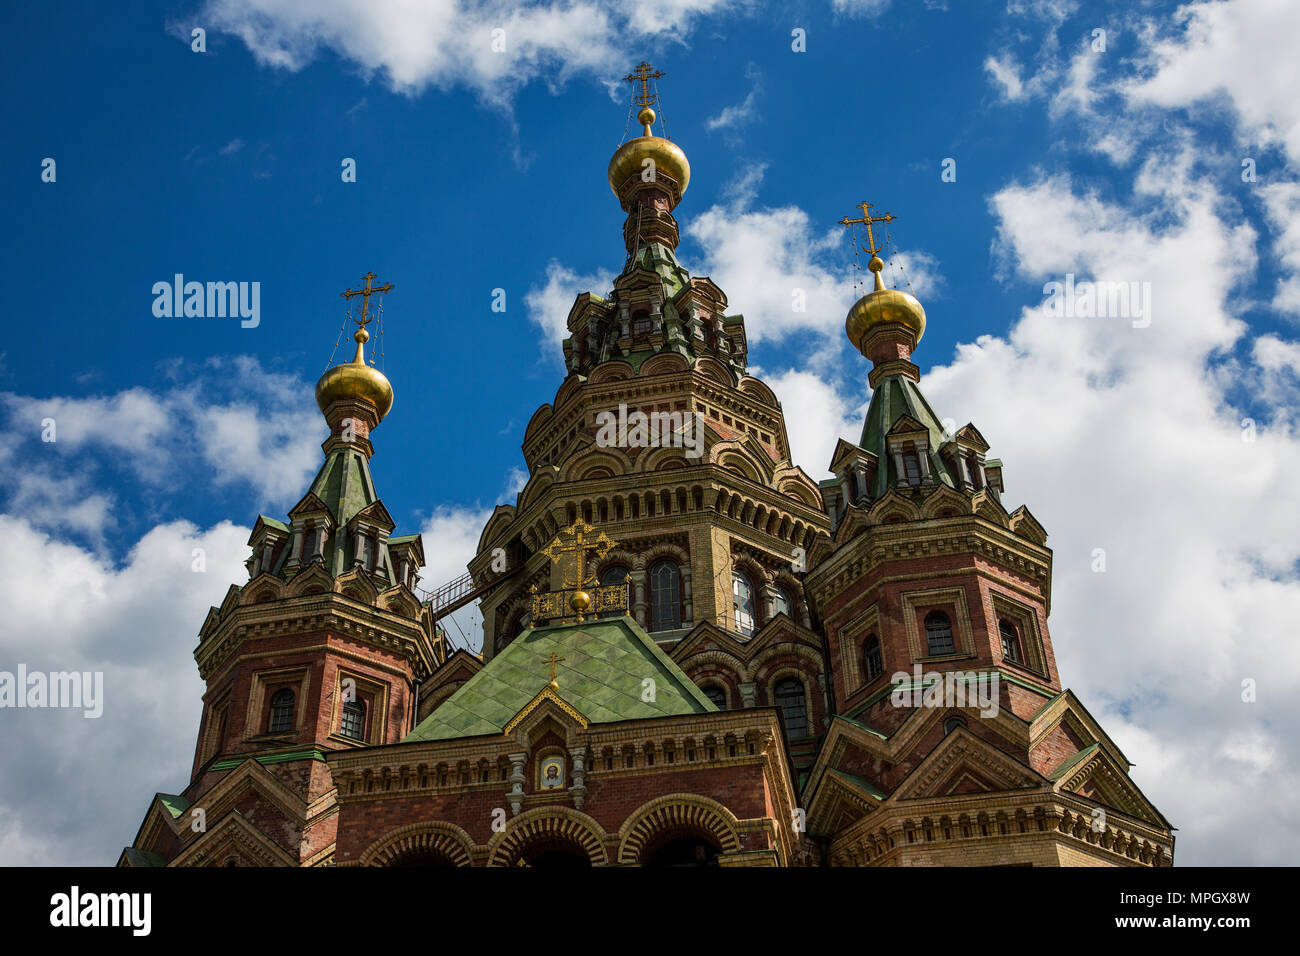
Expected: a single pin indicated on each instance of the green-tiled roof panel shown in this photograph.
(606, 674)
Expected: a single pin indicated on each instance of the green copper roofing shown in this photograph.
(1067, 765)
(278, 525)
(344, 483)
(174, 803)
(894, 397)
(604, 675)
(860, 784)
(143, 858)
(283, 756)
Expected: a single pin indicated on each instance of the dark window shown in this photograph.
(613, 575)
(951, 724)
(871, 658)
(1010, 641)
(782, 603)
(353, 723)
(640, 324)
(938, 634)
(793, 705)
(911, 467)
(743, 602)
(717, 695)
(281, 711)
(665, 596)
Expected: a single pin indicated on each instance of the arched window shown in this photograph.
(717, 695)
(281, 711)
(951, 724)
(665, 596)
(938, 634)
(743, 602)
(782, 603)
(614, 574)
(353, 722)
(873, 664)
(1010, 641)
(793, 704)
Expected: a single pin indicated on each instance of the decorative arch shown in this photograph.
(444, 839)
(547, 823)
(893, 505)
(712, 368)
(615, 370)
(664, 364)
(538, 421)
(942, 499)
(757, 390)
(677, 811)
(502, 516)
(615, 459)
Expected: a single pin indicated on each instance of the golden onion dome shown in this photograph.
(631, 156)
(356, 381)
(882, 307)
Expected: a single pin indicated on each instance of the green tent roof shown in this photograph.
(606, 663)
(894, 397)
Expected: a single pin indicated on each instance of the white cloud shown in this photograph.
(1005, 72)
(733, 118)
(549, 305)
(445, 43)
(1282, 206)
(1241, 54)
(86, 783)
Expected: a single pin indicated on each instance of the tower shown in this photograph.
(321, 650)
(954, 742)
(660, 436)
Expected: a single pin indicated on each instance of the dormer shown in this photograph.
(407, 556)
(311, 524)
(855, 470)
(368, 533)
(964, 454)
(268, 541)
(908, 442)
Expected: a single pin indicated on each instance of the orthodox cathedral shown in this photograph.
(693, 653)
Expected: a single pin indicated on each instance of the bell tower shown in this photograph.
(321, 650)
(954, 742)
(661, 437)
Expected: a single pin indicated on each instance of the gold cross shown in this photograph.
(643, 76)
(558, 551)
(553, 660)
(366, 293)
(867, 219)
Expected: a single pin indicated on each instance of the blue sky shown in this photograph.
(479, 170)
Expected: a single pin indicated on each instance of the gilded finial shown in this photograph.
(356, 380)
(881, 309)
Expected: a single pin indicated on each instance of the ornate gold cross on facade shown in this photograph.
(578, 546)
(365, 294)
(867, 220)
(553, 660)
(643, 75)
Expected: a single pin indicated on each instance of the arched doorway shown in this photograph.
(682, 850)
(554, 854)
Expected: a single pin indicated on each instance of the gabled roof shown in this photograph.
(603, 675)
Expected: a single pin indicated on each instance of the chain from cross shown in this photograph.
(578, 546)
(643, 75)
(866, 220)
(553, 660)
(365, 294)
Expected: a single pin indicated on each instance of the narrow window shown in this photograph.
(782, 603)
(665, 596)
(281, 711)
(790, 699)
(938, 634)
(1010, 641)
(911, 466)
(717, 695)
(872, 661)
(353, 723)
(743, 602)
